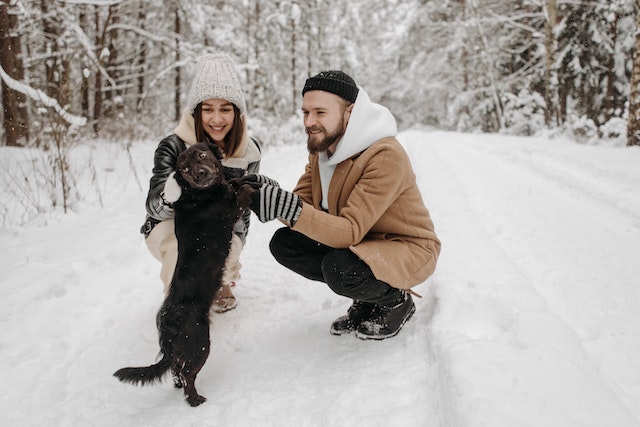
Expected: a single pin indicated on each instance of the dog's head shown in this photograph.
(199, 167)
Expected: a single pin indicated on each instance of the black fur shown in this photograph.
(204, 218)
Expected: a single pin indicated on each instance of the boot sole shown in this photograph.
(391, 335)
(224, 308)
(338, 333)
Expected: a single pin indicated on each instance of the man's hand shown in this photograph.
(256, 180)
(270, 202)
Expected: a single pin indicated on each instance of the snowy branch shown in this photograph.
(38, 95)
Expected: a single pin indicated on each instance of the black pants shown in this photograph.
(341, 269)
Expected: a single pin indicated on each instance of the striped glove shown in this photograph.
(255, 178)
(270, 202)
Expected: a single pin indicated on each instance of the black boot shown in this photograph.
(357, 313)
(386, 321)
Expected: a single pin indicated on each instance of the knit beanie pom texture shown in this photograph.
(336, 82)
(216, 77)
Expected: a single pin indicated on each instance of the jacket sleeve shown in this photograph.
(164, 162)
(303, 187)
(373, 194)
(241, 227)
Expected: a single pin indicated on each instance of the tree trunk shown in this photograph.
(84, 82)
(142, 59)
(633, 125)
(178, 77)
(110, 99)
(609, 102)
(295, 16)
(294, 90)
(97, 97)
(550, 75)
(16, 119)
(50, 29)
(464, 53)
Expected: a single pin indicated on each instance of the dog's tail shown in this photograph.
(144, 375)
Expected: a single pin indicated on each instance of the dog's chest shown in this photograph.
(206, 221)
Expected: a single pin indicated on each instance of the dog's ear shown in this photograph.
(183, 159)
(216, 151)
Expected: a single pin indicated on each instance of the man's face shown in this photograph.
(325, 120)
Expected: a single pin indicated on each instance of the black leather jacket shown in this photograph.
(164, 162)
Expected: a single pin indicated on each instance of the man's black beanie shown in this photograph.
(336, 82)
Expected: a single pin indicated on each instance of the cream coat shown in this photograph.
(161, 240)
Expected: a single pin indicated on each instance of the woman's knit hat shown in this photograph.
(336, 82)
(216, 77)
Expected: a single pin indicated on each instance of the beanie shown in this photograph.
(216, 77)
(336, 82)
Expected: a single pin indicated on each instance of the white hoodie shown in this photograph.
(369, 122)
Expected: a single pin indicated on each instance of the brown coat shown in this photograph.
(376, 210)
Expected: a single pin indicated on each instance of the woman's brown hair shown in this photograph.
(231, 141)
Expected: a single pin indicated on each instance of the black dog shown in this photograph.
(204, 218)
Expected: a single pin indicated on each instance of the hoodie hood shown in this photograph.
(186, 128)
(369, 122)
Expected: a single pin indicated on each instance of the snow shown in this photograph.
(531, 318)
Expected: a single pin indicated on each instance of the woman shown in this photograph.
(215, 113)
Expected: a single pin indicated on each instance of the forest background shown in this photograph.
(120, 70)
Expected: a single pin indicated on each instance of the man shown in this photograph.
(356, 219)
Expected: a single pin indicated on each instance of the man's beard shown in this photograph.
(328, 139)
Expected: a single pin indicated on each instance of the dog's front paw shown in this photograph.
(244, 195)
(172, 191)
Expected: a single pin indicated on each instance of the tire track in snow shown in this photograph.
(588, 179)
(545, 227)
(503, 191)
(459, 282)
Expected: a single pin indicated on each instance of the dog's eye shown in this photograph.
(185, 169)
(202, 155)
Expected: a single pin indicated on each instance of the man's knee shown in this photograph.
(343, 272)
(278, 242)
(347, 275)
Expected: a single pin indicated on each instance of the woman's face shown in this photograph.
(217, 118)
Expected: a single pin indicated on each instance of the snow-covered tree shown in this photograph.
(126, 66)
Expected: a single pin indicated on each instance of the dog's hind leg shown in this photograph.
(191, 394)
(199, 352)
(177, 382)
(188, 376)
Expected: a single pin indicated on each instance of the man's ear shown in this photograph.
(347, 111)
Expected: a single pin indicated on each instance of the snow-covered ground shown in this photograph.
(531, 319)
